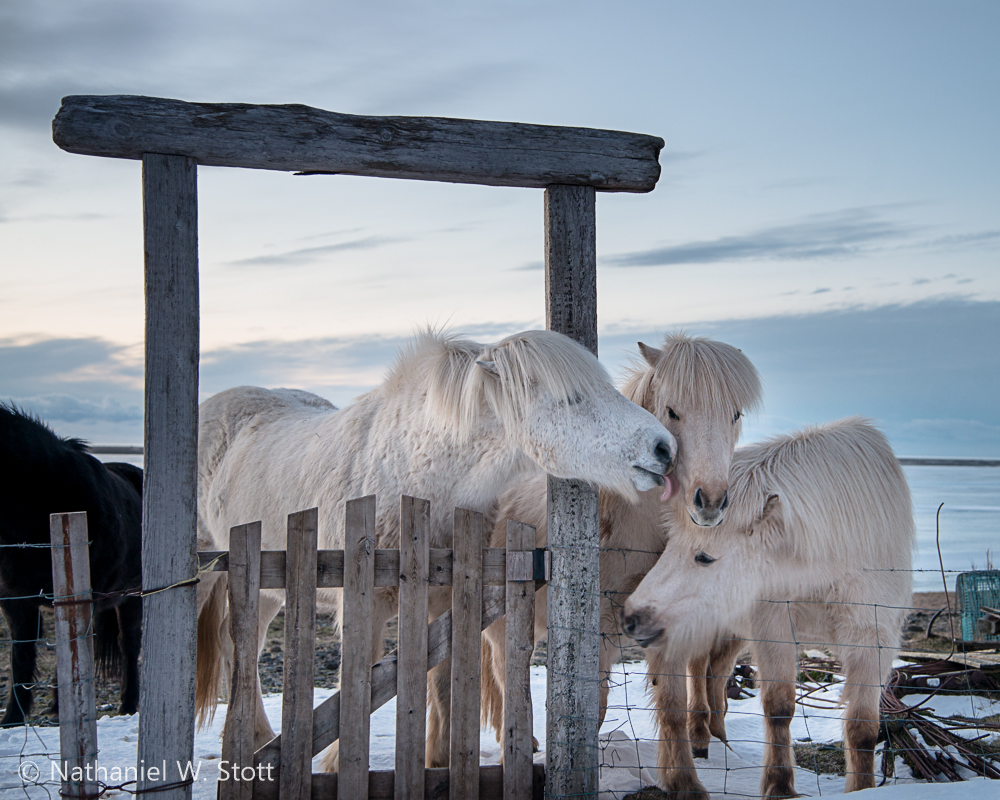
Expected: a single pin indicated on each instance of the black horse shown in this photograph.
(42, 474)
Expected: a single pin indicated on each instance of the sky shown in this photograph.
(829, 201)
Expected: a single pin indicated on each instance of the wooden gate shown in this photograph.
(485, 582)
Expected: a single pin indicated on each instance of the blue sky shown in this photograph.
(830, 198)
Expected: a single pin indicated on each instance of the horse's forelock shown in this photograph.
(699, 372)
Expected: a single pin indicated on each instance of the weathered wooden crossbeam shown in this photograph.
(330, 567)
(299, 138)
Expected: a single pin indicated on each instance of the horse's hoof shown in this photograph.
(699, 752)
(11, 723)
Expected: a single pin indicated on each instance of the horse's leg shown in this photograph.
(438, 691)
(129, 642)
(722, 662)
(611, 646)
(862, 690)
(270, 605)
(777, 664)
(675, 766)
(699, 707)
(24, 621)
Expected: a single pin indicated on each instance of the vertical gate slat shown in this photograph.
(520, 624)
(170, 495)
(244, 603)
(356, 648)
(74, 649)
(411, 671)
(300, 645)
(466, 628)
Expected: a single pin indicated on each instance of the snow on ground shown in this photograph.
(627, 742)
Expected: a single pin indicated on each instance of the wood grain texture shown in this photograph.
(574, 588)
(169, 535)
(74, 642)
(519, 644)
(411, 682)
(466, 630)
(299, 651)
(330, 567)
(356, 648)
(326, 716)
(244, 614)
(300, 138)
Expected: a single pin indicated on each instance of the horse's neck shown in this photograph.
(632, 525)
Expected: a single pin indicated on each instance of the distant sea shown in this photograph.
(970, 519)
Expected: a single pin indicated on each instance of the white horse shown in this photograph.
(815, 552)
(700, 389)
(453, 422)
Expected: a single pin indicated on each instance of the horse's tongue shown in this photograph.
(670, 487)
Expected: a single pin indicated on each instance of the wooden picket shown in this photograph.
(483, 580)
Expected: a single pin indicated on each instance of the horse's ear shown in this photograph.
(767, 514)
(651, 354)
(489, 367)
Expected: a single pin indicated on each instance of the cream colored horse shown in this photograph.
(815, 552)
(453, 422)
(699, 388)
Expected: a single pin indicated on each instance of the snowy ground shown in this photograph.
(627, 747)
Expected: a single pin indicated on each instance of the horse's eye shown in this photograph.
(736, 416)
(704, 559)
(671, 414)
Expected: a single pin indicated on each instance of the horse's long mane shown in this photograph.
(839, 481)
(458, 392)
(26, 433)
(697, 372)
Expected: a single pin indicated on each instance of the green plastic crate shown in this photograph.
(975, 590)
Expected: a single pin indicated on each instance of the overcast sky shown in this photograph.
(830, 198)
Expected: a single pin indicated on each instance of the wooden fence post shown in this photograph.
(466, 630)
(244, 604)
(574, 588)
(356, 649)
(411, 669)
(169, 535)
(520, 637)
(74, 638)
(295, 779)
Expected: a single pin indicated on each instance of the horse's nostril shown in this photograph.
(662, 453)
(629, 623)
(699, 499)
(725, 502)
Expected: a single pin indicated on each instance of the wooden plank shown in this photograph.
(466, 630)
(411, 699)
(299, 652)
(520, 641)
(977, 660)
(326, 716)
(330, 567)
(244, 605)
(300, 138)
(356, 647)
(74, 642)
(574, 589)
(381, 784)
(169, 535)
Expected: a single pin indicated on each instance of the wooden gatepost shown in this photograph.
(171, 138)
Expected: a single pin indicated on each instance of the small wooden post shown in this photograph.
(244, 604)
(466, 629)
(169, 535)
(74, 651)
(411, 669)
(574, 589)
(356, 649)
(295, 779)
(520, 624)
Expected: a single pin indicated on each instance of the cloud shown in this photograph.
(65, 408)
(306, 255)
(531, 266)
(819, 236)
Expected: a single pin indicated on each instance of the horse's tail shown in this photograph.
(210, 655)
(107, 652)
(490, 693)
